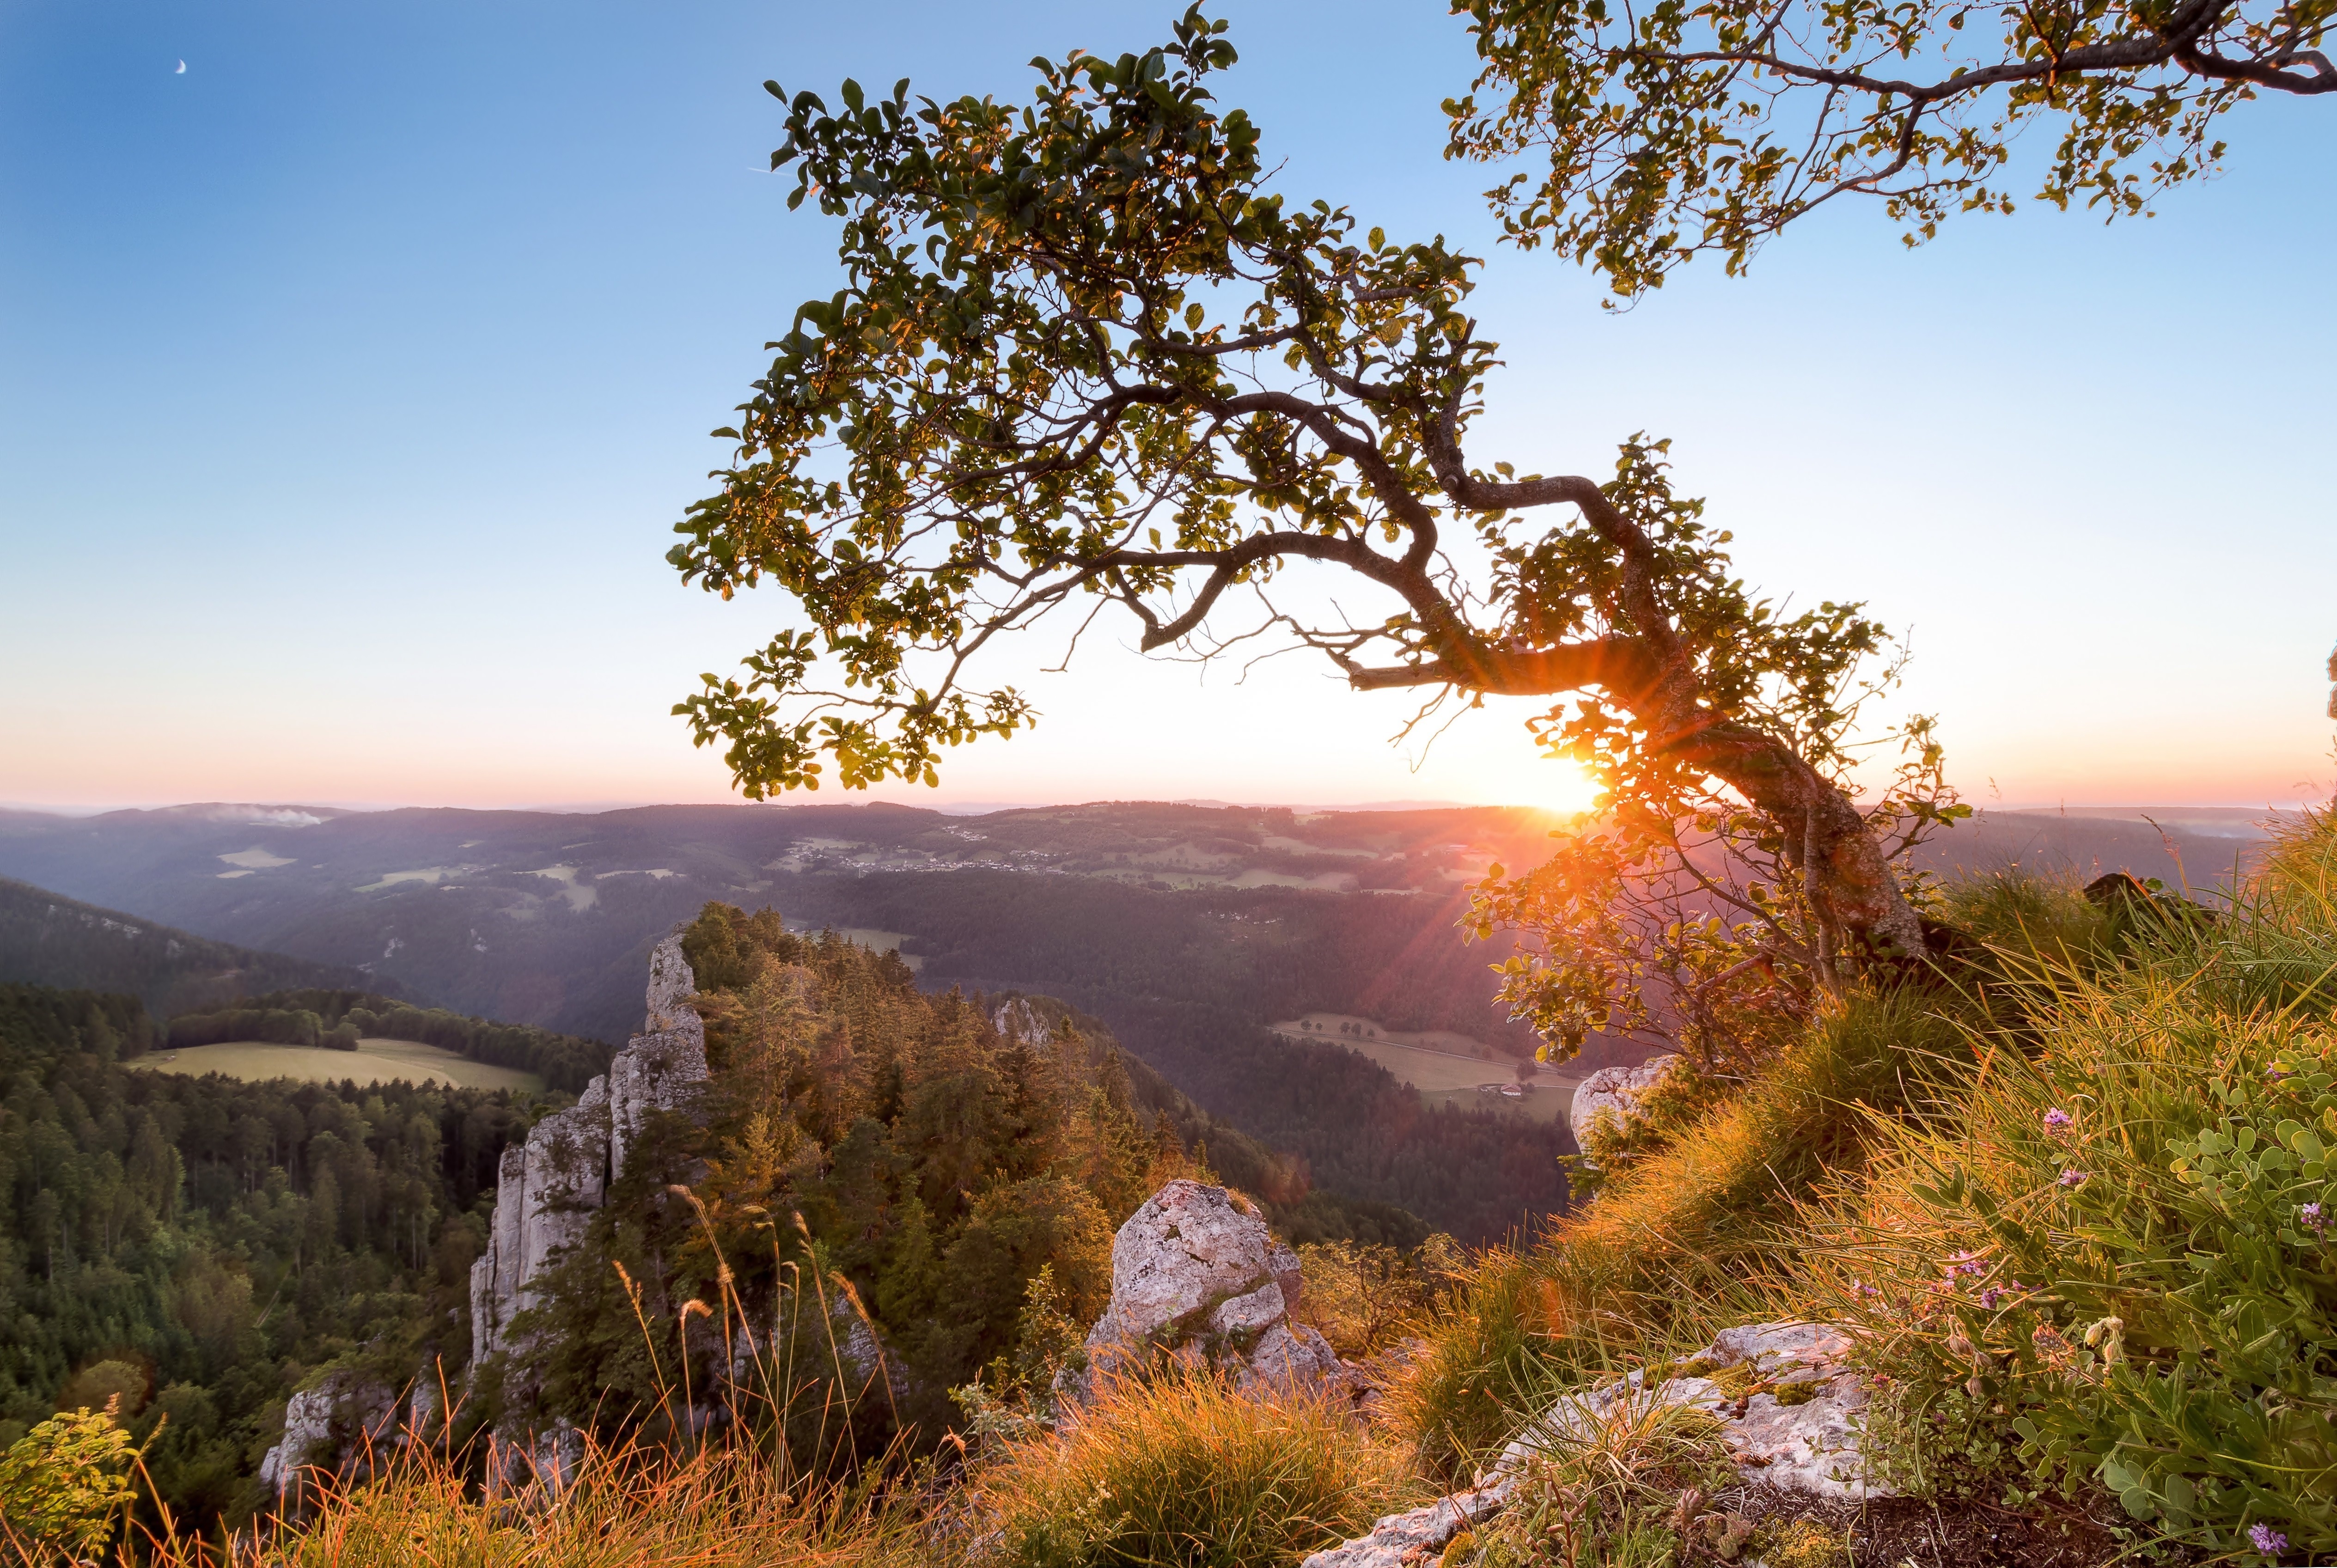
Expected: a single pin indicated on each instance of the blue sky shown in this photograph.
(351, 379)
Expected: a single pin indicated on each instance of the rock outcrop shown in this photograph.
(549, 1186)
(1614, 1089)
(1788, 1408)
(342, 1426)
(1196, 1277)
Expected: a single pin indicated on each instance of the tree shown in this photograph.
(1675, 129)
(1086, 362)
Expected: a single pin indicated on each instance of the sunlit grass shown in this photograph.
(1187, 1472)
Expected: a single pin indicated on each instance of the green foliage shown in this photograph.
(1709, 127)
(1085, 357)
(880, 1165)
(2122, 1245)
(1696, 1226)
(199, 1245)
(1364, 1296)
(50, 940)
(65, 1484)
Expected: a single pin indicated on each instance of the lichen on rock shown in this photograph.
(1807, 1442)
(1198, 1278)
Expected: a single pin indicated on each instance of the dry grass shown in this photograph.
(719, 1507)
(1186, 1472)
(373, 1062)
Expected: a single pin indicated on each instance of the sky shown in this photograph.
(352, 379)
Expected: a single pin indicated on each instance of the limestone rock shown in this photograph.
(549, 1186)
(1409, 1540)
(1617, 1090)
(1196, 1275)
(336, 1426)
(1809, 1446)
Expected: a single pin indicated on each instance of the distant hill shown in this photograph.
(547, 918)
(1187, 928)
(47, 939)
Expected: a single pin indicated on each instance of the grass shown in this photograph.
(373, 1062)
(2070, 1201)
(718, 1507)
(1187, 1472)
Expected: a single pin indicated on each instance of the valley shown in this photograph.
(1185, 930)
(1445, 1068)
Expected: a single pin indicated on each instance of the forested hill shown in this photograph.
(200, 1246)
(47, 939)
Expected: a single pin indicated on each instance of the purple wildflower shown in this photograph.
(2071, 1178)
(1990, 1297)
(2311, 1216)
(2057, 1122)
(1965, 1263)
(2266, 1540)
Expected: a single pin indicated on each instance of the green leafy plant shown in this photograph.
(1085, 361)
(1709, 127)
(66, 1485)
(2120, 1252)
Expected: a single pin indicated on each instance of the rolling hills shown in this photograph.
(46, 939)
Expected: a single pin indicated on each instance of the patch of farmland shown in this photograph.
(429, 874)
(1445, 1067)
(373, 1062)
(580, 895)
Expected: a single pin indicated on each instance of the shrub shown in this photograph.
(1186, 1472)
(1363, 1297)
(63, 1485)
(1628, 1489)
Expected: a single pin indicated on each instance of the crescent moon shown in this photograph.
(182, 71)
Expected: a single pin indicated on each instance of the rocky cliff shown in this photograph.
(550, 1186)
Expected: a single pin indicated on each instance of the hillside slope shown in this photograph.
(46, 939)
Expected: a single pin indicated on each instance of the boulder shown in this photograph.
(1788, 1407)
(1196, 1276)
(1614, 1089)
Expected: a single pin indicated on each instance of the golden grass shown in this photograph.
(722, 1506)
(373, 1062)
(1187, 1472)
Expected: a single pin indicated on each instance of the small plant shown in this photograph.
(64, 1484)
(2108, 1270)
(1627, 1489)
(1363, 1297)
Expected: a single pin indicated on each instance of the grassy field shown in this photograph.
(373, 1062)
(1445, 1067)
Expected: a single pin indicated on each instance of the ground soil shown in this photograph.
(1902, 1532)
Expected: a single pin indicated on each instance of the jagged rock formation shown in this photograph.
(341, 1425)
(550, 1186)
(1614, 1089)
(1196, 1276)
(1788, 1407)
